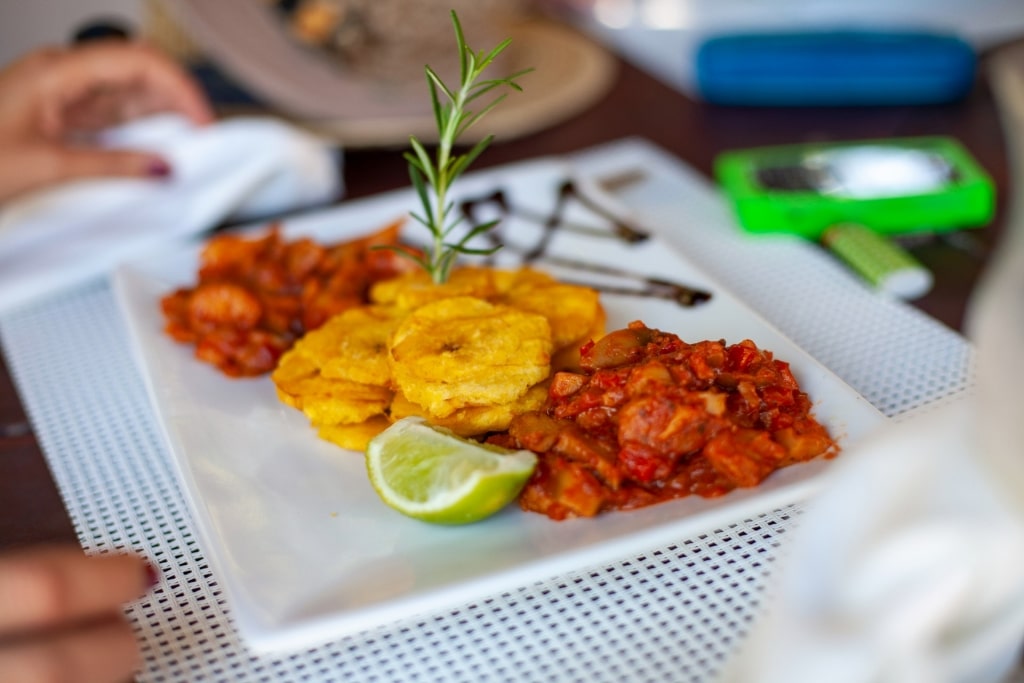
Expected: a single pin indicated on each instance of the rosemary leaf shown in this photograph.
(433, 178)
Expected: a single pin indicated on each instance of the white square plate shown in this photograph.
(301, 543)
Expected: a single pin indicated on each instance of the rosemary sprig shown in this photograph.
(433, 178)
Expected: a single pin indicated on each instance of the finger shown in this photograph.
(134, 67)
(101, 652)
(96, 111)
(50, 586)
(43, 165)
(109, 107)
(163, 83)
(78, 163)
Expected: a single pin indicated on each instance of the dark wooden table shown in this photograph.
(31, 509)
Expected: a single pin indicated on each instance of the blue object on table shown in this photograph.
(839, 67)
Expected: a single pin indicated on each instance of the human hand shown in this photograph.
(61, 615)
(52, 99)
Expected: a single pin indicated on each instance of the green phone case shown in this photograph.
(767, 200)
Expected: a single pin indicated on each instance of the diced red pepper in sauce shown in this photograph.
(651, 418)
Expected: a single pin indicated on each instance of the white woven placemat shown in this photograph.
(671, 614)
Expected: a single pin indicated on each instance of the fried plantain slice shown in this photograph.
(390, 292)
(317, 384)
(327, 400)
(345, 403)
(293, 374)
(292, 369)
(475, 420)
(413, 290)
(353, 345)
(573, 311)
(289, 399)
(513, 278)
(465, 351)
(402, 407)
(354, 436)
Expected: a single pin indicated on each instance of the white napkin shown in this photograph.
(233, 170)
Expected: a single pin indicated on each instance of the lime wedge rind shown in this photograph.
(428, 473)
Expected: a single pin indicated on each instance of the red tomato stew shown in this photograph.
(649, 418)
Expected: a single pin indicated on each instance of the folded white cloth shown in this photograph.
(233, 170)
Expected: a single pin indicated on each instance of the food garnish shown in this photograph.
(431, 474)
(433, 178)
(650, 418)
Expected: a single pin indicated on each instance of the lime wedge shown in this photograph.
(431, 474)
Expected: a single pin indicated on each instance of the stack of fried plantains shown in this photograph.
(469, 354)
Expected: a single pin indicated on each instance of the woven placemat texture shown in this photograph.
(673, 613)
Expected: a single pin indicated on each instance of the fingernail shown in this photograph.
(152, 576)
(158, 168)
